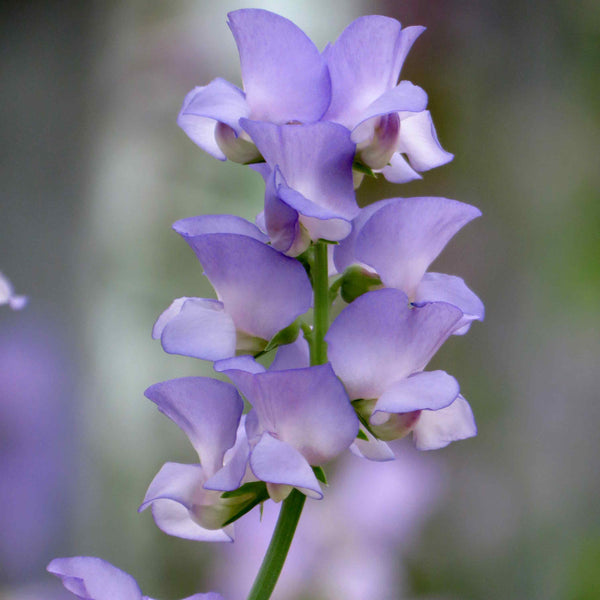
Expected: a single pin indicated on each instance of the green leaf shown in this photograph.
(320, 474)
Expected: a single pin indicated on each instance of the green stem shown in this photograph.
(278, 548)
(318, 350)
(292, 506)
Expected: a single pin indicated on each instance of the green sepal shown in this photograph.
(283, 337)
(362, 168)
(362, 435)
(330, 242)
(307, 331)
(257, 490)
(356, 281)
(305, 259)
(320, 474)
(255, 161)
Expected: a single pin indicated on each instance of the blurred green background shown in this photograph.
(93, 172)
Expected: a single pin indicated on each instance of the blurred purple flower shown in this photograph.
(379, 346)
(400, 237)
(91, 578)
(259, 290)
(8, 296)
(285, 80)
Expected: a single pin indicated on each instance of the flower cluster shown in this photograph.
(312, 124)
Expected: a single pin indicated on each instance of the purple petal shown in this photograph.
(204, 107)
(404, 97)
(307, 408)
(207, 410)
(418, 140)
(404, 237)
(91, 578)
(378, 340)
(263, 290)
(372, 449)
(285, 77)
(275, 461)
(281, 220)
(197, 327)
(437, 428)
(292, 356)
(315, 160)
(239, 363)
(437, 287)
(399, 171)
(193, 226)
(426, 390)
(364, 63)
(177, 498)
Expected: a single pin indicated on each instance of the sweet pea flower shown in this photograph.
(285, 81)
(309, 185)
(300, 418)
(260, 292)
(399, 238)
(387, 119)
(8, 296)
(186, 499)
(91, 578)
(379, 346)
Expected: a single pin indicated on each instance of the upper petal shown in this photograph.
(404, 237)
(263, 290)
(437, 428)
(365, 62)
(315, 160)
(207, 410)
(205, 106)
(378, 340)
(285, 77)
(91, 578)
(203, 224)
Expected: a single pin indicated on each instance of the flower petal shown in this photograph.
(205, 106)
(197, 327)
(208, 411)
(364, 63)
(276, 461)
(285, 77)
(378, 340)
(426, 390)
(292, 356)
(263, 290)
(404, 237)
(92, 578)
(315, 160)
(437, 287)
(418, 140)
(399, 171)
(192, 226)
(175, 494)
(372, 448)
(437, 428)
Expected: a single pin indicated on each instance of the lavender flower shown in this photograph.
(91, 578)
(8, 296)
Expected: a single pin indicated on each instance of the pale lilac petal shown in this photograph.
(275, 461)
(197, 327)
(404, 237)
(307, 408)
(8, 296)
(263, 290)
(205, 106)
(207, 410)
(399, 171)
(437, 428)
(280, 219)
(372, 448)
(292, 356)
(91, 578)
(404, 97)
(315, 160)
(364, 63)
(343, 253)
(378, 340)
(437, 287)
(418, 140)
(239, 363)
(174, 494)
(285, 77)
(426, 390)
(203, 224)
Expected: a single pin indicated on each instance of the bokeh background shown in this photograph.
(93, 172)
